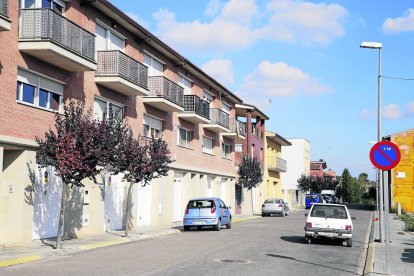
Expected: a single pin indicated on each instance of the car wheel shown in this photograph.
(218, 225)
(228, 225)
(308, 240)
(349, 243)
(263, 214)
(186, 228)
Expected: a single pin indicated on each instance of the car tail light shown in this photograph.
(348, 227)
(186, 211)
(213, 209)
(308, 225)
(280, 205)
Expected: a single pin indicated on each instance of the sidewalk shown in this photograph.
(38, 250)
(401, 251)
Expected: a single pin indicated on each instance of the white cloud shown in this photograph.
(305, 22)
(278, 80)
(400, 24)
(138, 19)
(410, 108)
(391, 112)
(220, 69)
(367, 115)
(239, 24)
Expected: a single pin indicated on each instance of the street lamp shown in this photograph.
(377, 45)
(383, 190)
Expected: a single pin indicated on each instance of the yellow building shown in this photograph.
(274, 165)
(402, 176)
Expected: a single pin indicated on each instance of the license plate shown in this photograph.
(328, 234)
(199, 222)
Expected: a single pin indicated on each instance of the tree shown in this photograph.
(304, 183)
(250, 174)
(141, 160)
(75, 149)
(315, 184)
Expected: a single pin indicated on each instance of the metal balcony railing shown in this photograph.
(163, 87)
(116, 63)
(48, 25)
(218, 116)
(278, 163)
(256, 132)
(238, 127)
(197, 105)
(4, 8)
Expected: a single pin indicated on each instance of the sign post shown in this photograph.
(385, 155)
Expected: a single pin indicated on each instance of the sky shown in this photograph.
(301, 64)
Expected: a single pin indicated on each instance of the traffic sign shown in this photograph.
(385, 155)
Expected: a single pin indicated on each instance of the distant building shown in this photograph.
(317, 169)
(298, 160)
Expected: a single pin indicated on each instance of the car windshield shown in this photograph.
(329, 211)
(312, 197)
(200, 203)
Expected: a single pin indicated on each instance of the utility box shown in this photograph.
(86, 197)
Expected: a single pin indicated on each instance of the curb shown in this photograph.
(368, 253)
(19, 260)
(103, 244)
(237, 220)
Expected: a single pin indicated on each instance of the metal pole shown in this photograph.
(381, 187)
(387, 225)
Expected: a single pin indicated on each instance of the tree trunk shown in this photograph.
(61, 218)
(128, 208)
(251, 192)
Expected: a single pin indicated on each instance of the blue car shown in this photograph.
(209, 211)
(312, 198)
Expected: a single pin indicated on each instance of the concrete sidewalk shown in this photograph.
(401, 250)
(38, 250)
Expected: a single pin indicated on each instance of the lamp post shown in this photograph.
(383, 191)
(376, 45)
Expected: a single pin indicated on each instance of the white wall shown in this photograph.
(298, 162)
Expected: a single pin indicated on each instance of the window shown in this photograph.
(107, 39)
(186, 84)
(155, 67)
(207, 145)
(102, 106)
(184, 137)
(226, 107)
(56, 5)
(208, 98)
(38, 91)
(152, 127)
(226, 150)
(238, 147)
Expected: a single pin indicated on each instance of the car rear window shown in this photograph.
(195, 204)
(329, 211)
(272, 201)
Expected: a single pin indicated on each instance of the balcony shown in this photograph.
(219, 121)
(5, 23)
(196, 110)
(52, 38)
(164, 95)
(256, 132)
(122, 73)
(237, 128)
(276, 164)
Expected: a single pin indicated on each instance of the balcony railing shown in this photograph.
(197, 105)
(256, 132)
(238, 127)
(218, 116)
(277, 163)
(4, 8)
(163, 87)
(116, 63)
(45, 24)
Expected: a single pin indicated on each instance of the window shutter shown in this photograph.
(27, 77)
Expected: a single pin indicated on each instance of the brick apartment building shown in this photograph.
(53, 50)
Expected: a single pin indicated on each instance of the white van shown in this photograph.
(330, 221)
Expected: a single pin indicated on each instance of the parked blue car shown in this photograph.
(209, 211)
(312, 198)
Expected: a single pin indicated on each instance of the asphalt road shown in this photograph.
(265, 246)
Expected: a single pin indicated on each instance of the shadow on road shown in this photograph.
(306, 262)
(294, 239)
